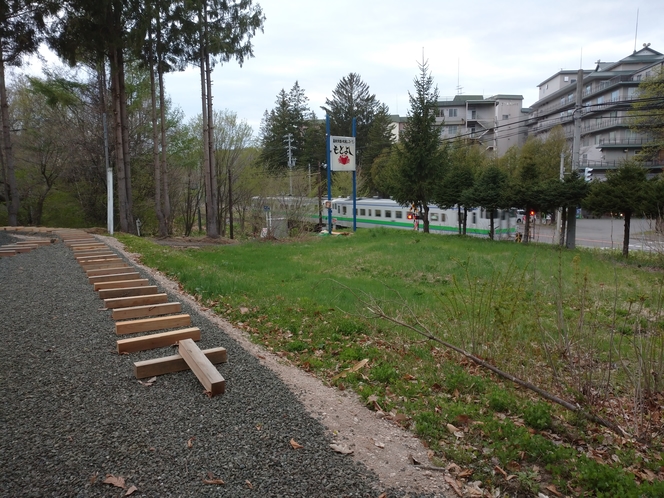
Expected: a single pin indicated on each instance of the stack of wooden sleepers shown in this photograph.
(23, 245)
(139, 308)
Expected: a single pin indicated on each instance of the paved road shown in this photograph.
(608, 233)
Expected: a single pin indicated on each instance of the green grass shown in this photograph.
(584, 325)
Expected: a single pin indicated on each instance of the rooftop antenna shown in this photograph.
(637, 28)
(459, 87)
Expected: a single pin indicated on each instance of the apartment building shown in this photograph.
(607, 95)
(497, 123)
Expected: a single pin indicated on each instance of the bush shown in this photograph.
(538, 416)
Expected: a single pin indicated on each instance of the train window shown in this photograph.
(363, 212)
(433, 216)
(355, 212)
(388, 214)
(369, 212)
(474, 217)
(398, 214)
(377, 213)
(443, 217)
(344, 210)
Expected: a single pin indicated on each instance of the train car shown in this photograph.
(374, 212)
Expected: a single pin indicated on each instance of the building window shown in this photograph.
(506, 116)
(388, 214)
(451, 113)
(562, 101)
(600, 99)
(570, 97)
(397, 215)
(588, 88)
(452, 130)
(615, 95)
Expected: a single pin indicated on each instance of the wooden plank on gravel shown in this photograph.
(128, 302)
(121, 284)
(112, 277)
(100, 259)
(206, 372)
(152, 341)
(129, 291)
(17, 248)
(33, 242)
(4, 254)
(123, 268)
(93, 252)
(175, 363)
(146, 310)
(152, 324)
(90, 257)
(96, 265)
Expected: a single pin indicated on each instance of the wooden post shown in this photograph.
(207, 374)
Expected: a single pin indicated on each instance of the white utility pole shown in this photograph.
(291, 160)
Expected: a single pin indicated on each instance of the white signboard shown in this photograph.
(342, 153)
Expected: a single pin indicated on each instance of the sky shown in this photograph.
(484, 47)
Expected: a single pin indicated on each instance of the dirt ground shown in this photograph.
(394, 454)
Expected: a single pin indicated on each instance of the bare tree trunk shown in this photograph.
(425, 214)
(214, 178)
(166, 199)
(492, 227)
(210, 207)
(628, 222)
(526, 227)
(119, 150)
(125, 142)
(163, 232)
(11, 187)
(164, 161)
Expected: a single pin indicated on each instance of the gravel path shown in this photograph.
(73, 413)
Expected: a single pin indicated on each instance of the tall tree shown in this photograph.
(289, 117)
(22, 25)
(422, 159)
(466, 161)
(216, 31)
(92, 31)
(489, 192)
(625, 191)
(352, 98)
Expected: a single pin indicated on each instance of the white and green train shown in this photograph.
(373, 212)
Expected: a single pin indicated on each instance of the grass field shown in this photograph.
(585, 327)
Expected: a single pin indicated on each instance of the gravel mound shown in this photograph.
(72, 412)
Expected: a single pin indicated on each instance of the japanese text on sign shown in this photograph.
(342, 153)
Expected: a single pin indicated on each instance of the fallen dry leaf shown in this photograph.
(249, 485)
(553, 489)
(498, 469)
(465, 473)
(118, 482)
(149, 382)
(190, 442)
(295, 444)
(244, 311)
(213, 481)
(358, 366)
(454, 485)
(344, 450)
(131, 490)
(413, 460)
